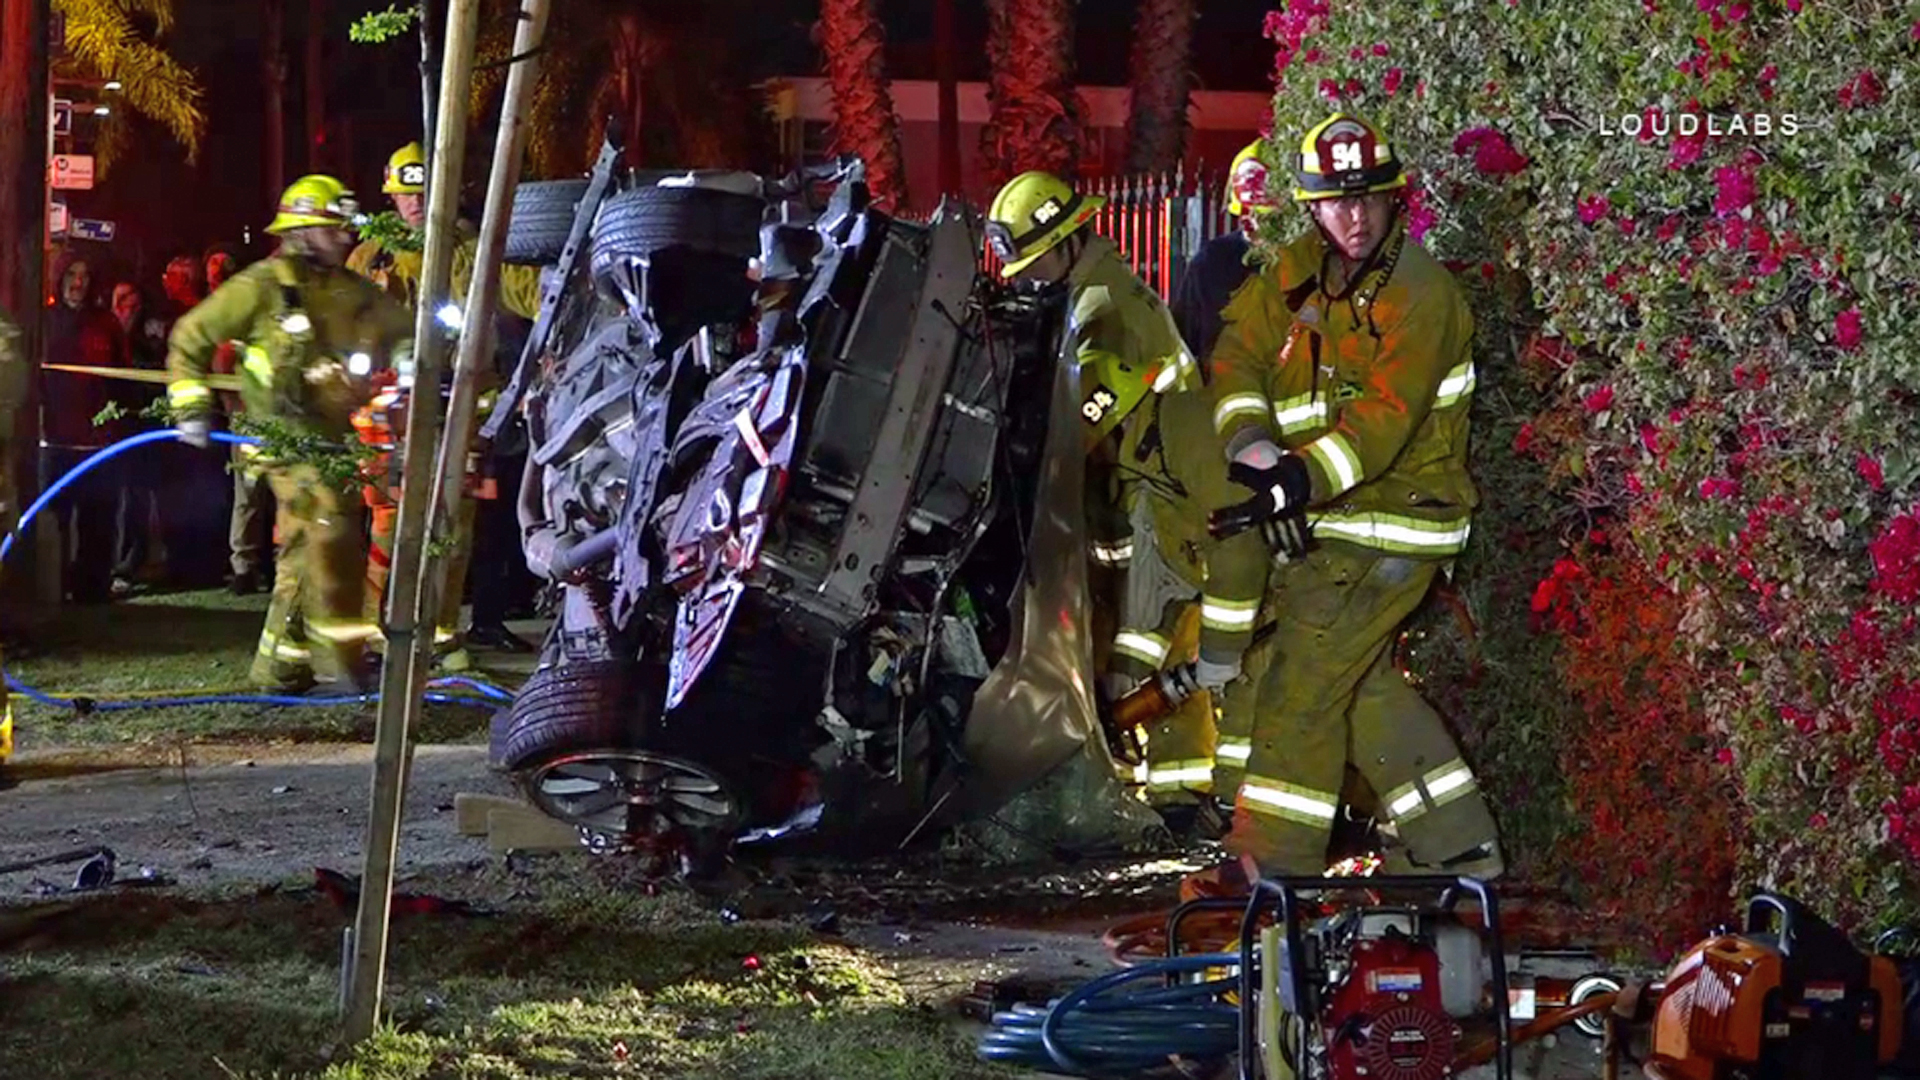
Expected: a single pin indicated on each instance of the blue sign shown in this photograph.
(90, 229)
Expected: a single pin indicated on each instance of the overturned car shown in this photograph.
(807, 486)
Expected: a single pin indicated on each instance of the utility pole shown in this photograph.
(402, 681)
(945, 48)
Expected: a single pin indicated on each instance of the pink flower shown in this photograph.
(1379, 48)
(1737, 13)
(1846, 329)
(1592, 208)
(1915, 32)
(1724, 756)
(1817, 821)
(1356, 53)
(1719, 487)
(1329, 89)
(1354, 88)
(1493, 155)
(1870, 471)
(1735, 193)
(1523, 439)
(1390, 82)
(1650, 438)
(1793, 6)
(1599, 400)
(1313, 55)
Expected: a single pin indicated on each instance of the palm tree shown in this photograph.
(1162, 76)
(1037, 118)
(663, 69)
(106, 42)
(853, 46)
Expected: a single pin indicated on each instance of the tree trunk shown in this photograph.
(1162, 76)
(1038, 120)
(946, 50)
(854, 46)
(23, 222)
(273, 60)
(319, 157)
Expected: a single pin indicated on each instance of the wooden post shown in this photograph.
(483, 294)
(401, 682)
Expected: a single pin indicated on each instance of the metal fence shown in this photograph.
(1157, 220)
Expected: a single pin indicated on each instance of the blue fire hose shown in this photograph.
(489, 696)
(1095, 1031)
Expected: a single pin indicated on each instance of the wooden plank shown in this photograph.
(470, 811)
(523, 828)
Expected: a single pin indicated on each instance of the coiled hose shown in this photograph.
(489, 696)
(1094, 1031)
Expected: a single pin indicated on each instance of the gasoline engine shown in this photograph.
(1790, 998)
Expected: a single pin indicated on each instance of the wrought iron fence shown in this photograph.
(1157, 220)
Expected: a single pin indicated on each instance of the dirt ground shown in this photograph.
(218, 817)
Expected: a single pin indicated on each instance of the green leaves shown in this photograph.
(378, 27)
(391, 232)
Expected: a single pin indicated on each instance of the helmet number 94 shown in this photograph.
(1098, 404)
(1346, 157)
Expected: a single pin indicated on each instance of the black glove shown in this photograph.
(1278, 507)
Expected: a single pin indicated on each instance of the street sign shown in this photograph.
(57, 218)
(91, 229)
(72, 172)
(62, 116)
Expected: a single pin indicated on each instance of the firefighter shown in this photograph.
(1223, 263)
(1128, 356)
(311, 335)
(1341, 384)
(395, 268)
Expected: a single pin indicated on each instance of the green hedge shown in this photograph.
(1696, 425)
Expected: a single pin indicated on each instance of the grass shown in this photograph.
(585, 981)
(159, 644)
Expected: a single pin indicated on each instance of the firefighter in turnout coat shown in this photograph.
(1129, 362)
(1341, 384)
(311, 335)
(396, 269)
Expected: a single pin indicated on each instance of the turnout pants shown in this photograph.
(314, 620)
(1332, 695)
(1180, 745)
(449, 646)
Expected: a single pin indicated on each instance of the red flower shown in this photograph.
(1379, 48)
(1493, 155)
(1724, 756)
(1818, 821)
(1896, 560)
(1869, 470)
(1599, 400)
(1313, 55)
(1667, 227)
(1356, 53)
(1846, 329)
(1592, 208)
(1793, 6)
(1390, 82)
(1862, 90)
(1329, 89)
(1523, 439)
(1354, 88)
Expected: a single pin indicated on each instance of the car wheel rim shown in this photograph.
(632, 794)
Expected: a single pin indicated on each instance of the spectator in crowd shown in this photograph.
(77, 332)
(141, 345)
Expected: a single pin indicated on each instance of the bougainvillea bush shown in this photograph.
(1694, 581)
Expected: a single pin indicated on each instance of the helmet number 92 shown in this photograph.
(1346, 157)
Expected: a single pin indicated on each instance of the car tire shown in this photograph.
(543, 213)
(569, 708)
(638, 222)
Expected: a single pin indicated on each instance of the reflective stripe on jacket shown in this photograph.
(1372, 389)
